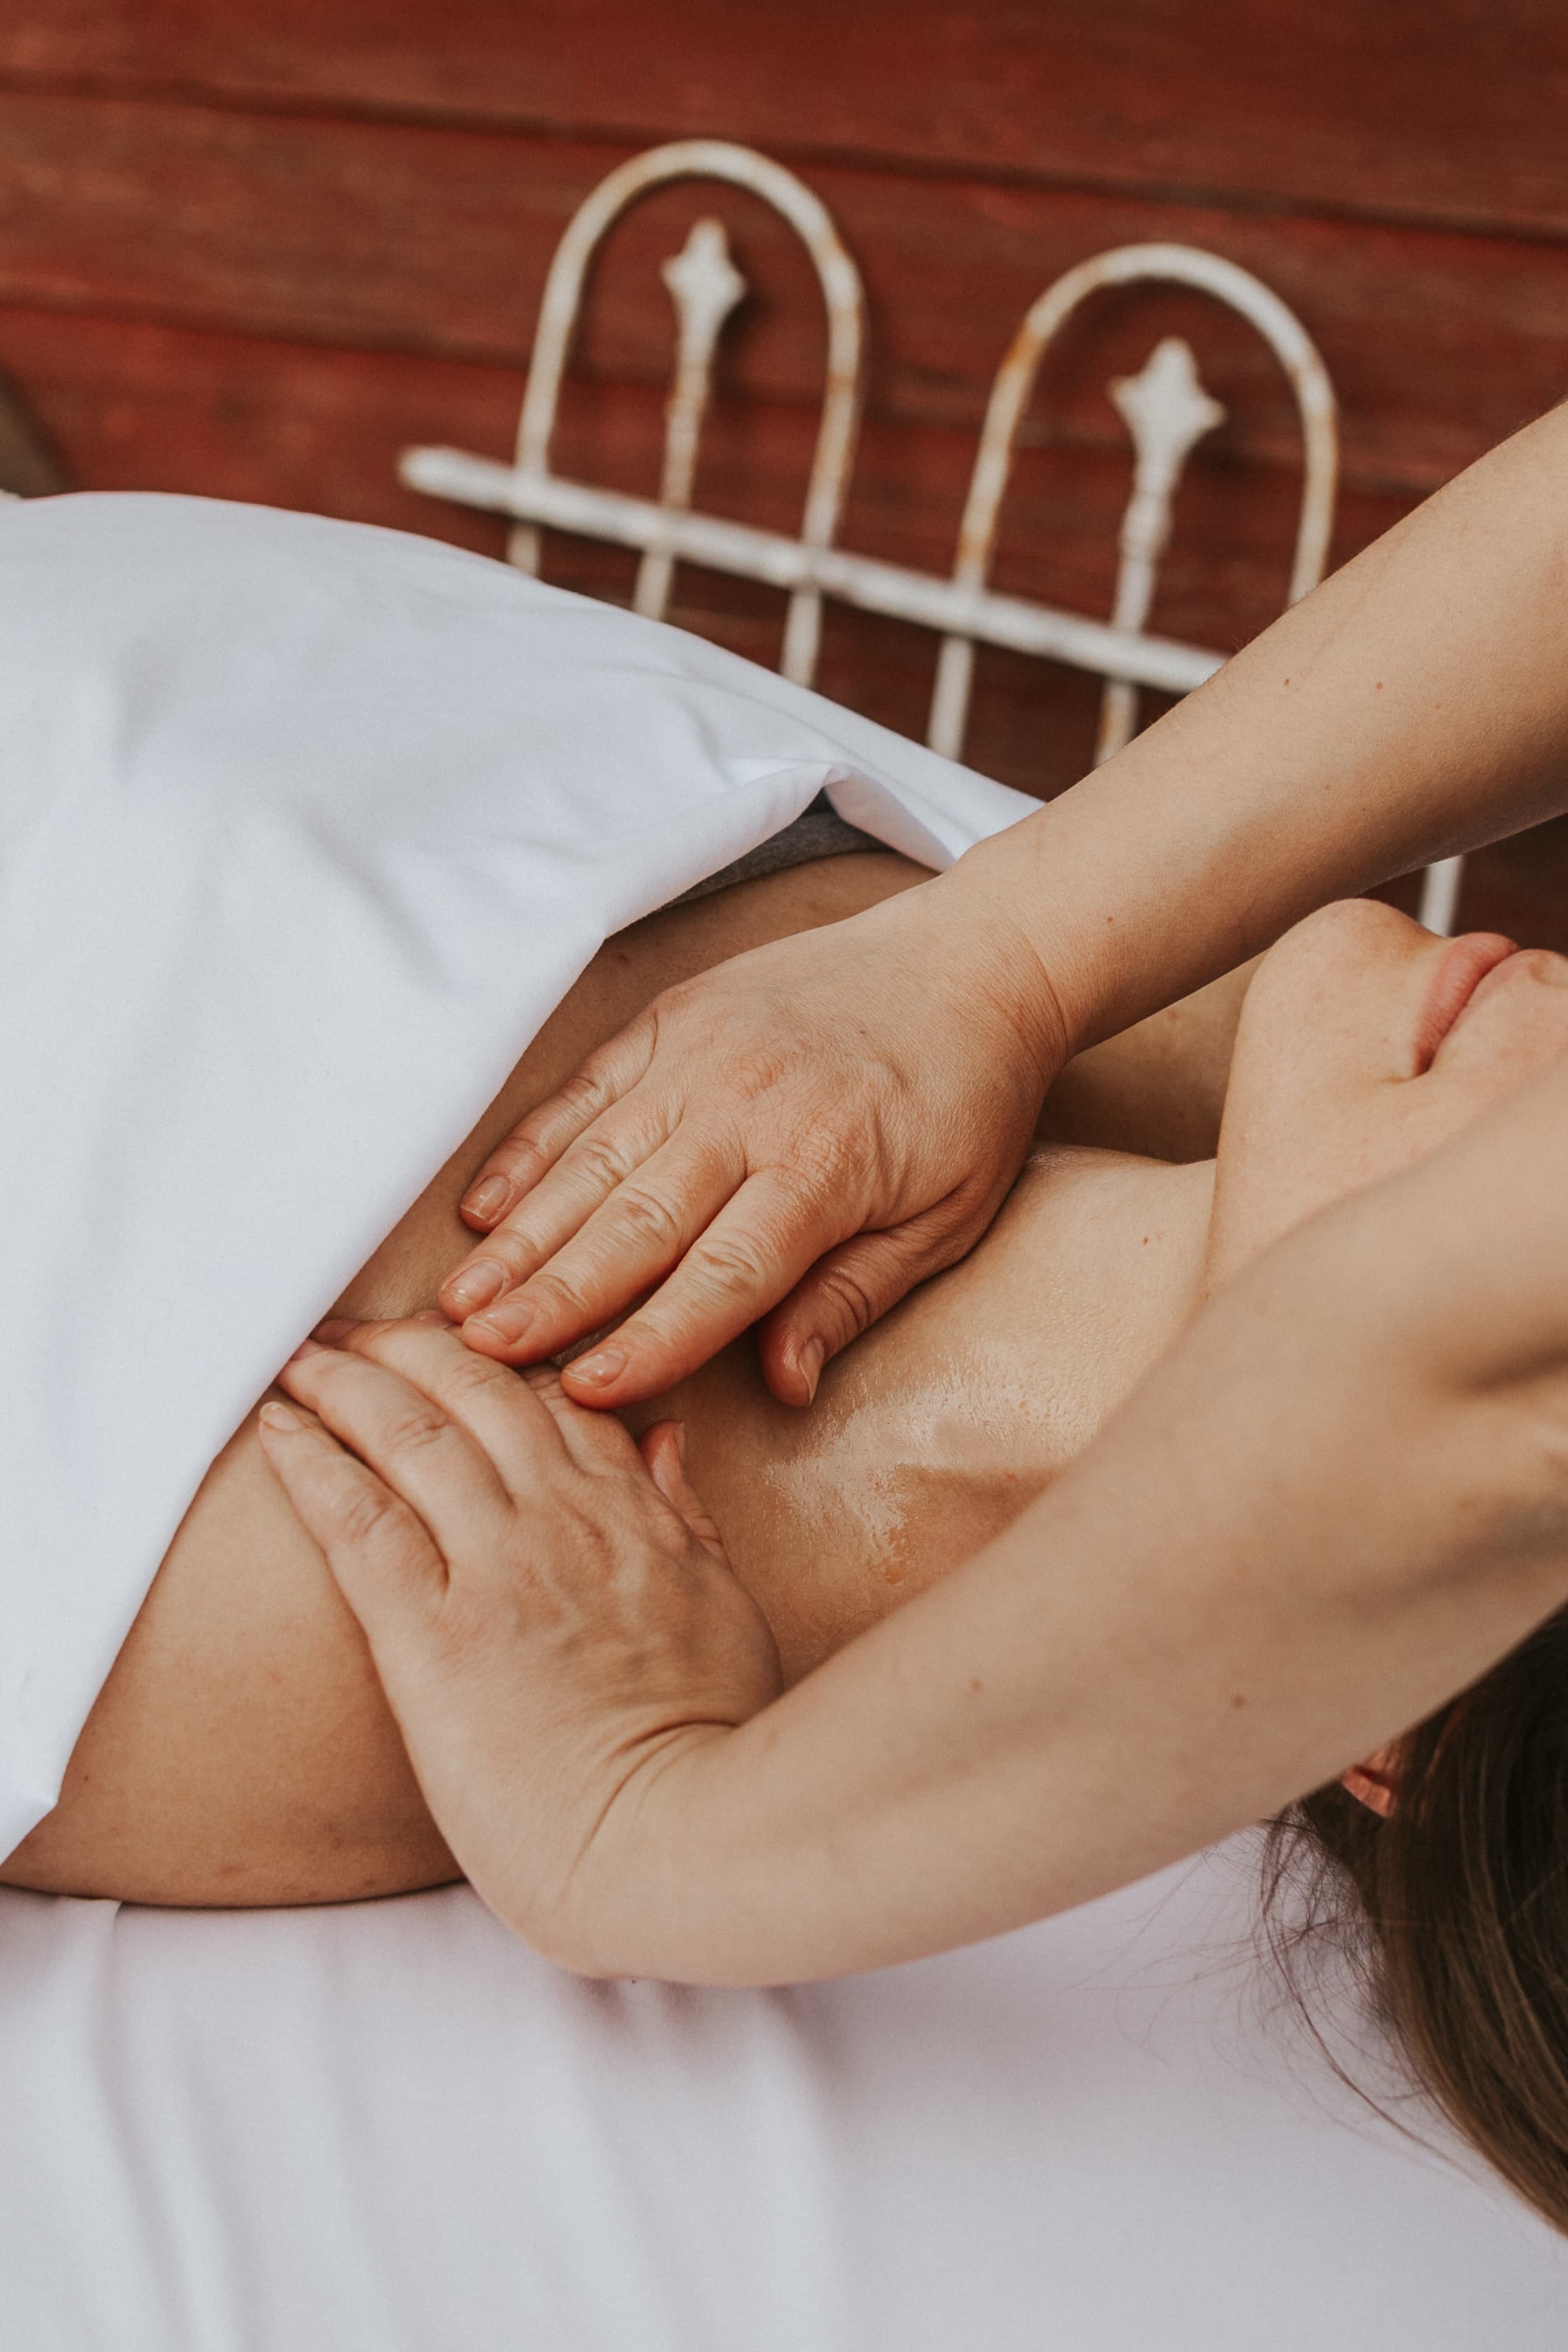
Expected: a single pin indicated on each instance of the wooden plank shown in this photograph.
(426, 240)
(1426, 109)
(132, 406)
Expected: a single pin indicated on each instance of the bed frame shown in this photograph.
(1165, 407)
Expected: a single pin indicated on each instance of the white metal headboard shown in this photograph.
(1165, 407)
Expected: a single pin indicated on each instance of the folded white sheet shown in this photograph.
(305, 827)
(389, 2128)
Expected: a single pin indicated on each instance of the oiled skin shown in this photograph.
(241, 1751)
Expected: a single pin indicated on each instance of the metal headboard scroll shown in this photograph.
(1167, 412)
(1165, 408)
(705, 286)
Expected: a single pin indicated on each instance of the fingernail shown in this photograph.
(600, 1368)
(278, 1416)
(509, 1323)
(305, 1348)
(810, 1363)
(476, 1287)
(489, 1199)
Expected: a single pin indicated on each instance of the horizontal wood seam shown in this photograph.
(891, 162)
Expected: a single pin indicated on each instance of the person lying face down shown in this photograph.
(243, 1752)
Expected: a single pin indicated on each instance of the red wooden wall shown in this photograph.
(253, 248)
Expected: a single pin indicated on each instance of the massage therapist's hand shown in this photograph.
(824, 1122)
(550, 1611)
(1277, 1553)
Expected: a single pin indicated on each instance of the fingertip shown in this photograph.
(488, 1204)
(598, 1372)
(624, 1386)
(661, 1438)
(471, 1286)
(663, 1451)
(278, 1420)
(791, 1372)
(808, 1365)
(785, 1384)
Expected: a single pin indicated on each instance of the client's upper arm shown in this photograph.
(272, 1770)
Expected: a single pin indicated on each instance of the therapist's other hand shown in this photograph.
(549, 1608)
(822, 1122)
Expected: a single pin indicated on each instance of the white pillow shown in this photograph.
(305, 827)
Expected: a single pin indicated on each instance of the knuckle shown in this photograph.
(524, 1148)
(585, 1093)
(509, 1248)
(414, 1429)
(728, 1268)
(843, 1291)
(623, 1060)
(473, 1376)
(609, 1071)
(552, 1293)
(367, 1517)
(827, 1156)
(644, 1213)
(603, 1159)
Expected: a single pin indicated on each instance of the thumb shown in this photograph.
(850, 1288)
(663, 1450)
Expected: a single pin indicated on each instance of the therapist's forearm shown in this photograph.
(1415, 706)
(1272, 1562)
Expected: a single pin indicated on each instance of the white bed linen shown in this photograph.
(305, 827)
(303, 830)
(388, 2128)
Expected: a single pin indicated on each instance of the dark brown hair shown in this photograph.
(1453, 1910)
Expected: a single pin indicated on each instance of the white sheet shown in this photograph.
(389, 2128)
(304, 829)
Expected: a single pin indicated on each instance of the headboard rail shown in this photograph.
(1165, 406)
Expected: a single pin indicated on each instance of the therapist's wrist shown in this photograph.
(983, 906)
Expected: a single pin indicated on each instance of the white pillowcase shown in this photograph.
(305, 828)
